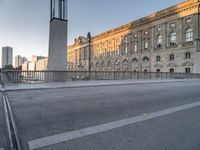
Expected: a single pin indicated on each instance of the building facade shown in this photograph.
(19, 60)
(165, 41)
(37, 63)
(7, 56)
(42, 64)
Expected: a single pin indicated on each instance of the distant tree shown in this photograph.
(8, 67)
(18, 68)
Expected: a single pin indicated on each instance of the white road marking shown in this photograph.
(64, 137)
(1, 149)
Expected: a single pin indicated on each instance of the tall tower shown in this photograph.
(58, 36)
(7, 56)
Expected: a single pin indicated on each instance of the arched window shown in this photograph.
(91, 65)
(97, 64)
(189, 35)
(158, 70)
(117, 62)
(171, 70)
(172, 38)
(109, 63)
(145, 59)
(134, 60)
(125, 62)
(159, 41)
(103, 63)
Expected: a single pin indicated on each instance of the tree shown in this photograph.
(18, 68)
(8, 67)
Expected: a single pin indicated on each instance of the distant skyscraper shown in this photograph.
(7, 56)
(58, 35)
(36, 58)
(19, 60)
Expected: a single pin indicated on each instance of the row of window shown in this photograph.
(159, 42)
(171, 70)
(172, 25)
(173, 38)
(172, 57)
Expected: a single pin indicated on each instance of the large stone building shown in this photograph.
(165, 41)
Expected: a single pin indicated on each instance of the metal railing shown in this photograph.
(60, 76)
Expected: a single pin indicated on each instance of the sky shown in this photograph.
(24, 24)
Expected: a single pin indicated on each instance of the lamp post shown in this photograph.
(89, 49)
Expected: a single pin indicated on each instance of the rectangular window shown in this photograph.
(146, 45)
(125, 49)
(172, 25)
(187, 70)
(159, 29)
(135, 47)
(158, 58)
(146, 32)
(187, 55)
(189, 20)
(171, 57)
(135, 35)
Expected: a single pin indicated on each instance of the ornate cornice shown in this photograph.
(171, 11)
(176, 10)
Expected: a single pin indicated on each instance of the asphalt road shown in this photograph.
(44, 113)
(4, 144)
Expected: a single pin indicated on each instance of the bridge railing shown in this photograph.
(11, 76)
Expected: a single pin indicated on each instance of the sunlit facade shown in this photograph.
(165, 41)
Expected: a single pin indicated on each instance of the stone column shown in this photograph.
(197, 44)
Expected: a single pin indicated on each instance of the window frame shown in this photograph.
(189, 35)
(187, 55)
(159, 41)
(171, 57)
(173, 38)
(158, 58)
(146, 45)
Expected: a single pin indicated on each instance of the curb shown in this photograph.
(100, 85)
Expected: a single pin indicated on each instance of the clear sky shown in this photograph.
(24, 24)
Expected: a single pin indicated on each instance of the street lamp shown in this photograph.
(89, 49)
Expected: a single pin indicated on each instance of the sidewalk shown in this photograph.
(78, 84)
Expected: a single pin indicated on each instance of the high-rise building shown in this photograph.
(19, 60)
(36, 58)
(7, 56)
(58, 35)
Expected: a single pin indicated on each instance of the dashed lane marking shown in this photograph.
(64, 137)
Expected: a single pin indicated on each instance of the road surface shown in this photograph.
(150, 116)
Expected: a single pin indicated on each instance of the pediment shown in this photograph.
(158, 66)
(81, 40)
(187, 64)
(171, 65)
